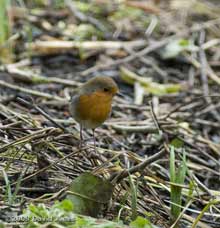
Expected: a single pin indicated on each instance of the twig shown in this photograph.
(45, 47)
(202, 186)
(27, 138)
(32, 92)
(28, 76)
(186, 103)
(203, 65)
(117, 177)
(49, 166)
(135, 129)
(156, 122)
(84, 18)
(129, 58)
(43, 113)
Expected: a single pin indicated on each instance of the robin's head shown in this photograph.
(101, 84)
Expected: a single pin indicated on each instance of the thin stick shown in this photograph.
(117, 177)
(129, 58)
(41, 111)
(47, 167)
(32, 92)
(84, 18)
(30, 77)
(57, 46)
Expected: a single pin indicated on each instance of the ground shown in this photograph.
(165, 57)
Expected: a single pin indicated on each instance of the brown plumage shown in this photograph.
(91, 104)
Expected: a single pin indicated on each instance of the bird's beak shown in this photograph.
(115, 91)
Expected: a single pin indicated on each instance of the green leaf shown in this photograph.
(181, 173)
(88, 194)
(184, 43)
(2, 225)
(176, 177)
(177, 143)
(65, 205)
(84, 222)
(176, 47)
(86, 32)
(141, 222)
(5, 32)
(39, 210)
(8, 187)
(133, 198)
(61, 215)
(172, 165)
(190, 192)
(148, 85)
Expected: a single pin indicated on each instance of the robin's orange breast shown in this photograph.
(94, 109)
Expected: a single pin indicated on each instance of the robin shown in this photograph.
(91, 105)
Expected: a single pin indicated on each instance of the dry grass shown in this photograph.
(39, 149)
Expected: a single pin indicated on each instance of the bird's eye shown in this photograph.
(106, 89)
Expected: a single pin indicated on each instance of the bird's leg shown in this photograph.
(94, 160)
(81, 136)
(94, 141)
